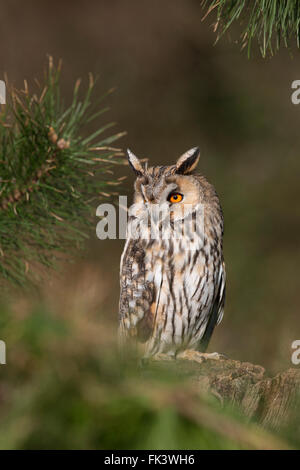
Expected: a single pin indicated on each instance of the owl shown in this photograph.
(172, 274)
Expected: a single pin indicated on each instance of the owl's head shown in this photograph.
(173, 194)
(171, 186)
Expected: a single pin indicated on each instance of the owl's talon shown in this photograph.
(190, 355)
(215, 355)
(197, 356)
(161, 357)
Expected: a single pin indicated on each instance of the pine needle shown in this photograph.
(271, 22)
(49, 172)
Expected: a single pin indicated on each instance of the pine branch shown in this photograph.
(271, 22)
(49, 174)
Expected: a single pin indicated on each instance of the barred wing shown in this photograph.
(137, 295)
(217, 310)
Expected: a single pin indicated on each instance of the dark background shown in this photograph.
(175, 89)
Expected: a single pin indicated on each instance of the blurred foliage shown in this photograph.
(271, 22)
(65, 387)
(48, 173)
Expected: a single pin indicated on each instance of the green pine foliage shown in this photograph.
(50, 174)
(271, 22)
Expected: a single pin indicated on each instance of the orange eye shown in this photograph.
(175, 197)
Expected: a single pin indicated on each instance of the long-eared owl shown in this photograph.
(172, 272)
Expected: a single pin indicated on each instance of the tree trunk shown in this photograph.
(270, 400)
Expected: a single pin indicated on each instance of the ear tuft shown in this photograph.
(188, 161)
(135, 163)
